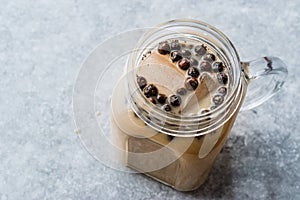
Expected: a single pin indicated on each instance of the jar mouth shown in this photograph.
(226, 47)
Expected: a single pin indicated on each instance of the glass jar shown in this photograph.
(179, 150)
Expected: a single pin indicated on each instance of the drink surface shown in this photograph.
(184, 77)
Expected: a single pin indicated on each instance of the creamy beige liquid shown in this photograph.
(191, 165)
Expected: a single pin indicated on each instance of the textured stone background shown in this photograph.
(43, 43)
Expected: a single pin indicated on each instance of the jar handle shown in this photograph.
(265, 77)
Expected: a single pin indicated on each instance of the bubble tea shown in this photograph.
(184, 78)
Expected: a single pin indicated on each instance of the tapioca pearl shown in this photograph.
(200, 50)
(199, 137)
(218, 67)
(213, 107)
(135, 115)
(150, 90)
(164, 48)
(187, 46)
(222, 78)
(152, 100)
(193, 72)
(175, 56)
(190, 46)
(166, 107)
(174, 100)
(184, 64)
(141, 81)
(147, 119)
(204, 111)
(175, 45)
(194, 62)
(209, 57)
(207, 117)
(181, 91)
(186, 53)
(218, 99)
(191, 83)
(205, 66)
(222, 90)
(170, 137)
(161, 98)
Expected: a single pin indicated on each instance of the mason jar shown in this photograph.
(175, 149)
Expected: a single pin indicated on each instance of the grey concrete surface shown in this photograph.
(42, 45)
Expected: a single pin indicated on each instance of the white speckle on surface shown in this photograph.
(42, 46)
(77, 131)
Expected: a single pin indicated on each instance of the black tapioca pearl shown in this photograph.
(164, 48)
(213, 107)
(141, 81)
(135, 115)
(199, 137)
(222, 90)
(218, 67)
(200, 50)
(175, 56)
(218, 99)
(205, 111)
(181, 91)
(166, 107)
(190, 46)
(150, 90)
(161, 98)
(222, 78)
(186, 53)
(147, 120)
(191, 83)
(175, 45)
(152, 100)
(187, 45)
(174, 100)
(210, 57)
(193, 72)
(170, 137)
(184, 64)
(205, 66)
(194, 62)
